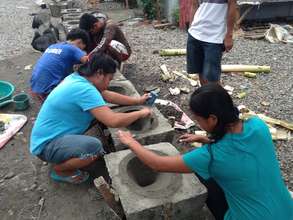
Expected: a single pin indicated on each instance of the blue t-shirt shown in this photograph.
(246, 168)
(54, 65)
(65, 111)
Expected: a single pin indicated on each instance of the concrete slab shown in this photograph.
(71, 16)
(71, 10)
(146, 194)
(149, 130)
(123, 87)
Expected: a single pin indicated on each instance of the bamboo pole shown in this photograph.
(172, 52)
(246, 68)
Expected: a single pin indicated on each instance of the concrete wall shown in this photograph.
(168, 8)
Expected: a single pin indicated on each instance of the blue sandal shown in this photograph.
(77, 178)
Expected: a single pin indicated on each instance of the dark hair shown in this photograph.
(99, 62)
(87, 21)
(78, 33)
(213, 99)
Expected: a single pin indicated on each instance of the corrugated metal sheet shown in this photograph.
(258, 2)
(267, 10)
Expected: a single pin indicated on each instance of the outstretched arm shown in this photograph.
(118, 120)
(231, 15)
(156, 162)
(116, 98)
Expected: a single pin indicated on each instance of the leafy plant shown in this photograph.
(176, 16)
(149, 8)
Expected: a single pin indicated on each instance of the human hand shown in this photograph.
(145, 112)
(188, 138)
(125, 137)
(142, 99)
(228, 43)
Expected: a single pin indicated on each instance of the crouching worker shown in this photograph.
(239, 157)
(102, 32)
(57, 136)
(57, 62)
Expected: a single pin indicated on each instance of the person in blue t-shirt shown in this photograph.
(57, 62)
(238, 158)
(58, 133)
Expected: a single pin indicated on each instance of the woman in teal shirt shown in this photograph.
(238, 155)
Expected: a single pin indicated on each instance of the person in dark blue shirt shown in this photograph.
(57, 62)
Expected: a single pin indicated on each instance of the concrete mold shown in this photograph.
(124, 87)
(146, 194)
(150, 130)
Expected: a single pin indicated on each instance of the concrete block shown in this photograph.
(71, 10)
(150, 130)
(71, 16)
(71, 24)
(123, 87)
(146, 194)
(118, 76)
(55, 10)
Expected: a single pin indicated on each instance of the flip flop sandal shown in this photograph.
(77, 178)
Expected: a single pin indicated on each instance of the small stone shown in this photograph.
(24, 140)
(19, 133)
(9, 175)
(185, 90)
(174, 91)
(45, 163)
(33, 187)
(265, 103)
(10, 212)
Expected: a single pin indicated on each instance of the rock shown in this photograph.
(185, 90)
(10, 212)
(174, 91)
(9, 175)
(33, 187)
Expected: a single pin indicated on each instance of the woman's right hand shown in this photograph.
(125, 137)
(189, 138)
(145, 112)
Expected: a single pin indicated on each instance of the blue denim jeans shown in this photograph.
(71, 146)
(204, 59)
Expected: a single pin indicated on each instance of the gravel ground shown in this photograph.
(275, 87)
(15, 27)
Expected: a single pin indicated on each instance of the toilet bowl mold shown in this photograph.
(156, 129)
(185, 202)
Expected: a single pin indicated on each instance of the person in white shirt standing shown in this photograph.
(210, 34)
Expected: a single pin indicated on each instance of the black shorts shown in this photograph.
(204, 59)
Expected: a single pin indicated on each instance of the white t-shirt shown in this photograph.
(210, 21)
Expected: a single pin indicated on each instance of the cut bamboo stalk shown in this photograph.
(161, 26)
(172, 52)
(246, 68)
(109, 197)
(165, 73)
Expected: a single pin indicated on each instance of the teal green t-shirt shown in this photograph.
(246, 168)
(65, 111)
